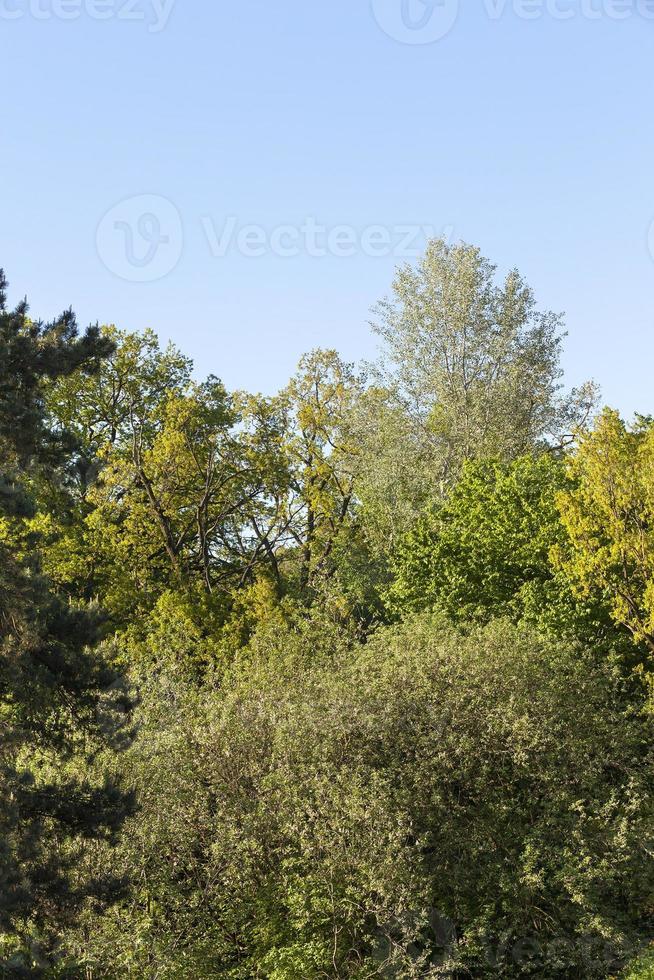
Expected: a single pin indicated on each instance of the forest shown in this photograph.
(351, 681)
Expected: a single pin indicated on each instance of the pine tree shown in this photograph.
(48, 676)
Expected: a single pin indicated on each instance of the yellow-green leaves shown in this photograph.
(609, 518)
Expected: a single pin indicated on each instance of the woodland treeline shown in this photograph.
(353, 681)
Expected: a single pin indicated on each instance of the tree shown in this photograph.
(188, 488)
(429, 803)
(488, 549)
(484, 550)
(609, 518)
(48, 677)
(642, 969)
(102, 410)
(215, 759)
(323, 460)
(470, 370)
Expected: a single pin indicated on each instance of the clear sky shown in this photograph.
(141, 138)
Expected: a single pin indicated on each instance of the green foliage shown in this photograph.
(197, 490)
(429, 801)
(470, 369)
(609, 519)
(51, 799)
(487, 551)
(323, 460)
(214, 760)
(484, 550)
(642, 969)
(31, 354)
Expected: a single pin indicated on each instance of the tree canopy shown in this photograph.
(352, 680)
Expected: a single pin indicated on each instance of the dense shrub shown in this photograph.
(430, 804)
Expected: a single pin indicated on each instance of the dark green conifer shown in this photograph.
(48, 673)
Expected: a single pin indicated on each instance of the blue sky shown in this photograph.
(169, 128)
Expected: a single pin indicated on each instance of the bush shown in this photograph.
(643, 969)
(431, 804)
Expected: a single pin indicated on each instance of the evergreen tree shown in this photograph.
(47, 676)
